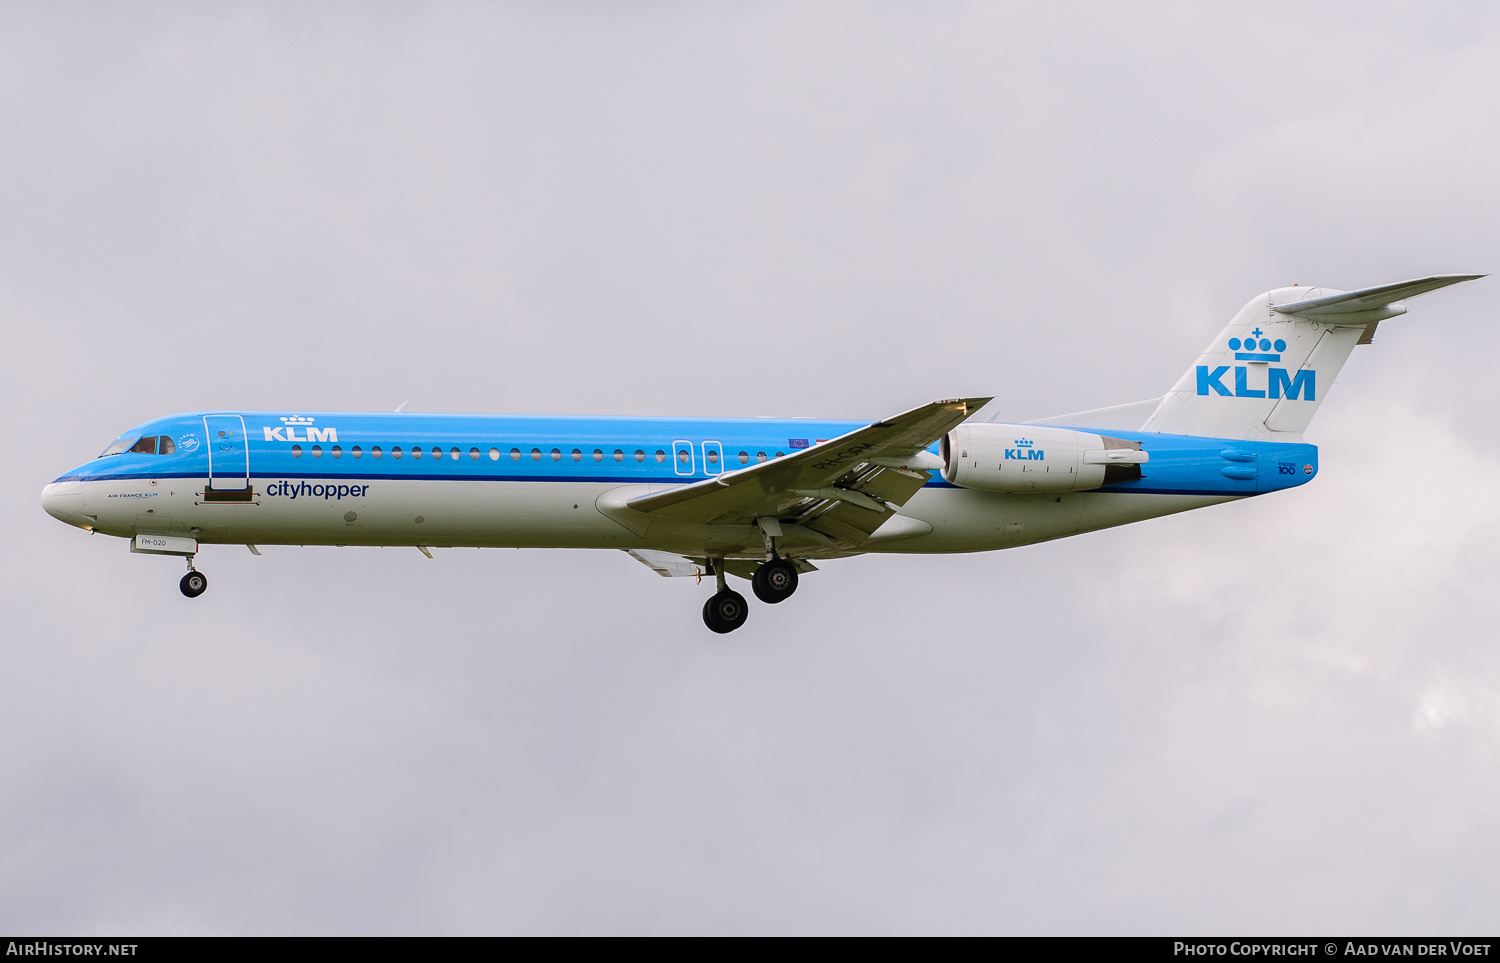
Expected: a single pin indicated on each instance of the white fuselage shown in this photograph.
(550, 514)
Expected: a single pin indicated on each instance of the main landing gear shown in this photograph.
(194, 583)
(773, 582)
(725, 611)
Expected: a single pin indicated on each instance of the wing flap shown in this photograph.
(850, 523)
(667, 564)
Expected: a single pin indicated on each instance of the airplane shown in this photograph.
(760, 499)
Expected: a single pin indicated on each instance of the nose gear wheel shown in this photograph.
(193, 584)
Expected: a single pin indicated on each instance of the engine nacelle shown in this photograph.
(1035, 458)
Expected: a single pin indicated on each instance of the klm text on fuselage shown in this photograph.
(289, 433)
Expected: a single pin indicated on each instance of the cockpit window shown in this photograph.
(135, 444)
(120, 446)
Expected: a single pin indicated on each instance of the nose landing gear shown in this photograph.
(194, 583)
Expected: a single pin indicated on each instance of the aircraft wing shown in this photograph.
(835, 493)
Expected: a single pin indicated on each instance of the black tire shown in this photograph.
(725, 611)
(193, 584)
(775, 581)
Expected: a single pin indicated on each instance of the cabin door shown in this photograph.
(228, 453)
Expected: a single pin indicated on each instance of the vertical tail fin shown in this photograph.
(1264, 376)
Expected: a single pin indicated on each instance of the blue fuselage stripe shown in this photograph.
(321, 446)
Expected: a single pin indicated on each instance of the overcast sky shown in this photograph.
(1278, 716)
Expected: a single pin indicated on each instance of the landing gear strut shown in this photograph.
(726, 610)
(775, 581)
(194, 583)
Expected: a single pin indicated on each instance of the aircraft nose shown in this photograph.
(61, 501)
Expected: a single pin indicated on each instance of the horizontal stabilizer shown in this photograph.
(1362, 306)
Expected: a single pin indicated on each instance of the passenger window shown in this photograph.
(760, 456)
(779, 454)
(495, 454)
(296, 451)
(317, 451)
(713, 456)
(619, 455)
(454, 453)
(515, 454)
(336, 451)
(536, 454)
(683, 456)
(744, 458)
(167, 445)
(598, 455)
(556, 455)
(437, 453)
(640, 455)
(661, 456)
(396, 452)
(416, 451)
(146, 446)
(375, 451)
(473, 454)
(577, 455)
(356, 451)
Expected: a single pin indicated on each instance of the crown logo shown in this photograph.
(296, 420)
(1023, 442)
(1251, 349)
